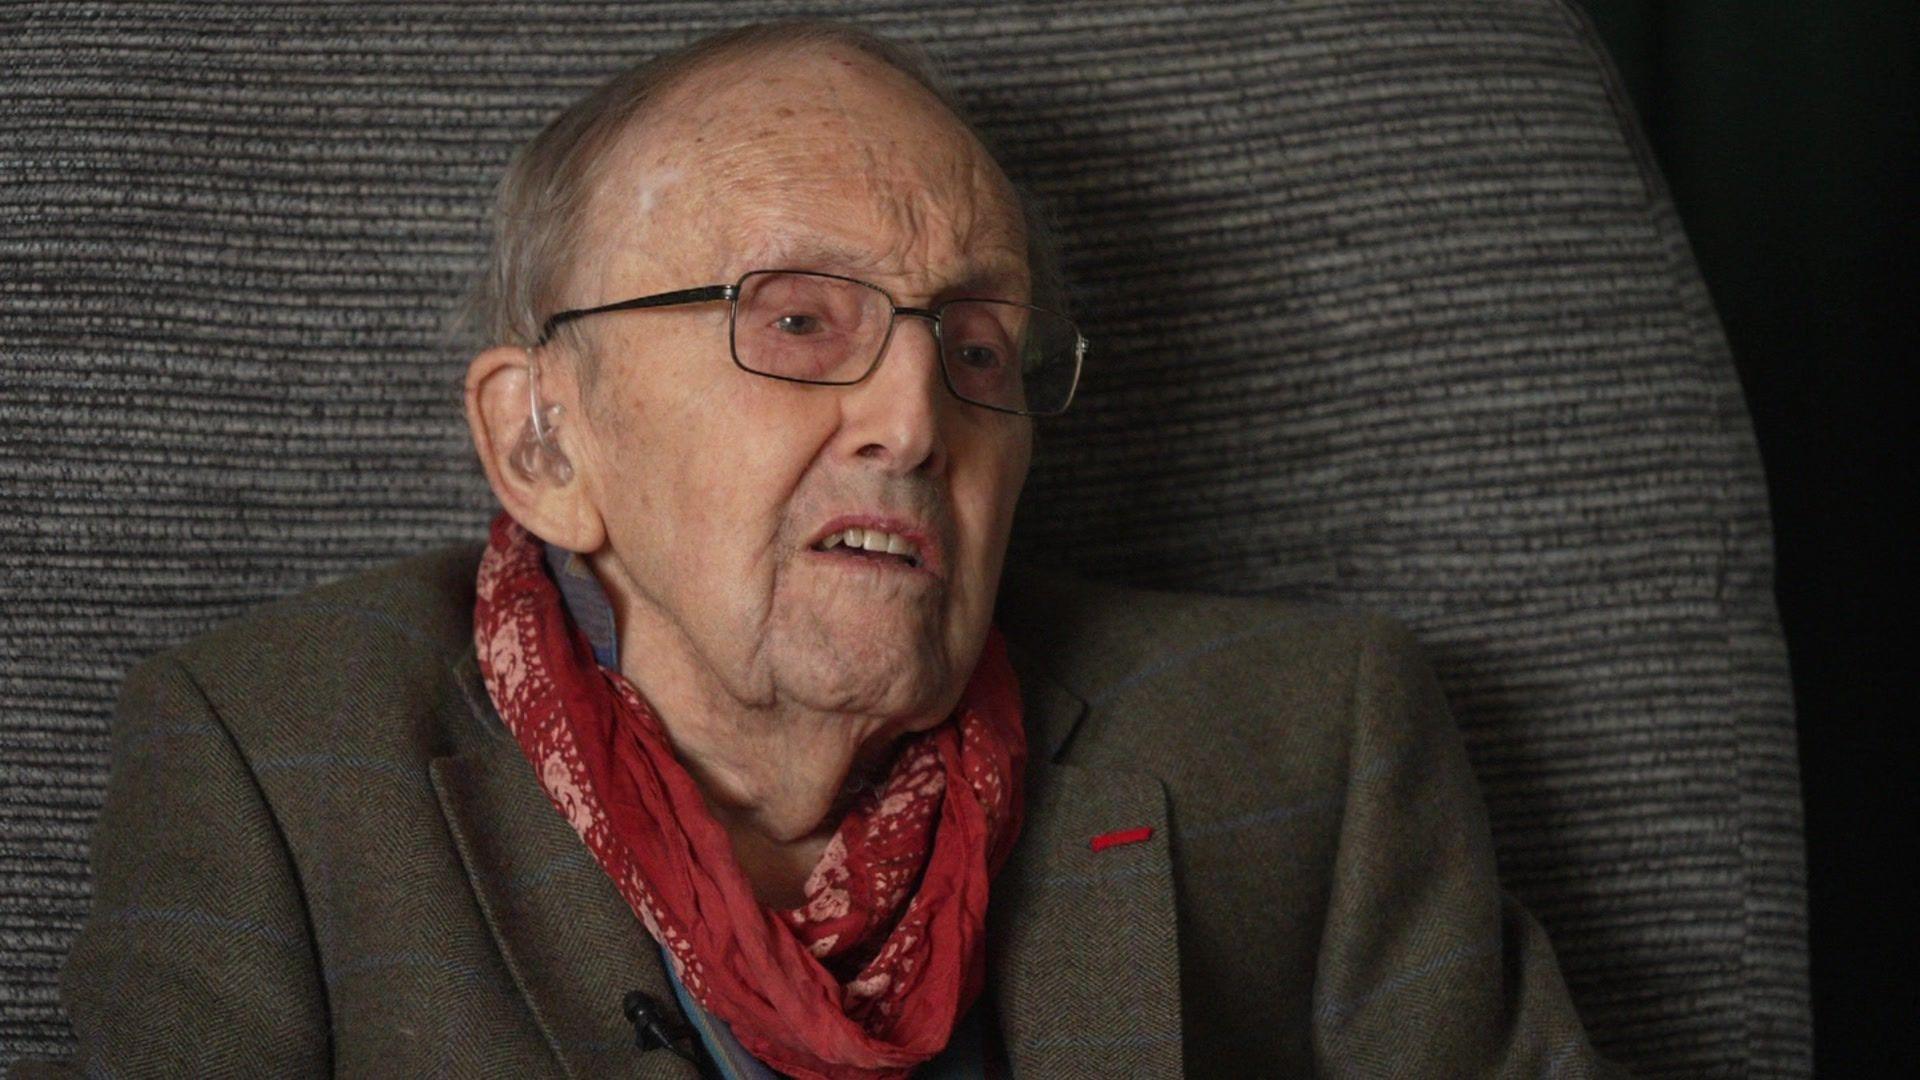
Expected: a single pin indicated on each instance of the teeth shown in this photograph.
(873, 540)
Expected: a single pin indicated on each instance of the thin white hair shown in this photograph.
(540, 211)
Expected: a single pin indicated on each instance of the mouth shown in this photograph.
(878, 543)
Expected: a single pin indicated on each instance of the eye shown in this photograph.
(797, 325)
(980, 357)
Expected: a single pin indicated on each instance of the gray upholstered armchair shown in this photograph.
(1390, 305)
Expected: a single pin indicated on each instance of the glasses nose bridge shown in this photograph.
(932, 317)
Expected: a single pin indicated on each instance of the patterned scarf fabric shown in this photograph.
(866, 977)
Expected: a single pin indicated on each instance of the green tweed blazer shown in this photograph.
(321, 852)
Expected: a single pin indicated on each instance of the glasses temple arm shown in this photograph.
(699, 295)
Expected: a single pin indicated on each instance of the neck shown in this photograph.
(777, 776)
(779, 787)
(785, 780)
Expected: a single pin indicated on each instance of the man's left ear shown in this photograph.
(527, 446)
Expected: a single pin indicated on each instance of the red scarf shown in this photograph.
(898, 902)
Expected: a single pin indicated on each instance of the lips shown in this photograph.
(873, 543)
(932, 557)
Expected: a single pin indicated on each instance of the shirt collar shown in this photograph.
(586, 603)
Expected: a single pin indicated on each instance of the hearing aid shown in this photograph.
(536, 453)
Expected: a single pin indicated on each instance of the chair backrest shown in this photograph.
(1389, 308)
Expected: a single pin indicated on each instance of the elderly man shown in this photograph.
(737, 748)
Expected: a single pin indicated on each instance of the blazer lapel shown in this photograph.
(571, 942)
(1083, 956)
(1083, 960)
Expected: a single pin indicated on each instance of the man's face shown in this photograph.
(715, 484)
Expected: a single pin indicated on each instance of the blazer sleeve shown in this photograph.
(1426, 967)
(196, 958)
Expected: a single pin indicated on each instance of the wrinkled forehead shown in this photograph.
(816, 161)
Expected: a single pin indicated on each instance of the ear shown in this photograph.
(551, 504)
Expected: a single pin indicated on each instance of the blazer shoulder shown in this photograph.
(1095, 634)
(1187, 685)
(425, 599)
(370, 645)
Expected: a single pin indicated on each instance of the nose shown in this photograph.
(896, 414)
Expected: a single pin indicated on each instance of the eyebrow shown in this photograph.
(814, 253)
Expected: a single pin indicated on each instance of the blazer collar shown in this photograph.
(1083, 959)
(571, 943)
(1083, 968)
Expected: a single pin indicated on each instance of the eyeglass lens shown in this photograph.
(816, 328)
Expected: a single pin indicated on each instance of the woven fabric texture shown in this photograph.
(1389, 308)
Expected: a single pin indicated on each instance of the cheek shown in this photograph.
(695, 462)
(992, 492)
(638, 473)
(747, 450)
(1012, 456)
(1019, 461)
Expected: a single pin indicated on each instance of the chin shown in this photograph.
(844, 652)
(881, 677)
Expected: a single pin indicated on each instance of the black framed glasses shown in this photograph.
(809, 327)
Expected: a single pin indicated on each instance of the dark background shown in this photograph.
(1789, 131)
